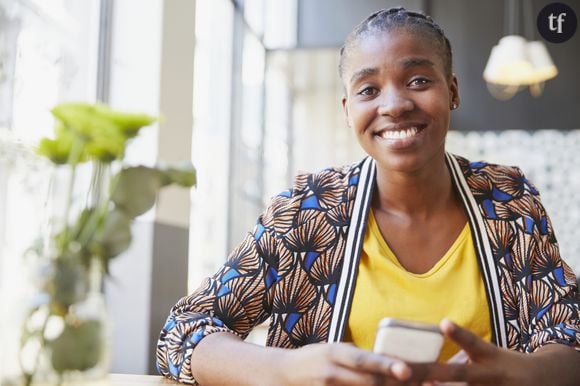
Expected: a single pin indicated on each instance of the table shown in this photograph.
(139, 380)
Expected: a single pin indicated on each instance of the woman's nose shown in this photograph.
(394, 103)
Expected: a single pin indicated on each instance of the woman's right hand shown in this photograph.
(340, 364)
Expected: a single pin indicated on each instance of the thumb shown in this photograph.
(473, 345)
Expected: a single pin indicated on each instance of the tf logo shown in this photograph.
(557, 22)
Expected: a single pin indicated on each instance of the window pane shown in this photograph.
(47, 55)
(211, 137)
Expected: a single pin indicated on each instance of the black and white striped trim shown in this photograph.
(351, 258)
(483, 250)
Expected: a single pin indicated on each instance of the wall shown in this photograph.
(325, 23)
(473, 28)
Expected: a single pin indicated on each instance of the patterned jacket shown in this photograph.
(298, 266)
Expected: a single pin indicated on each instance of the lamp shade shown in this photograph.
(516, 62)
(544, 68)
(508, 63)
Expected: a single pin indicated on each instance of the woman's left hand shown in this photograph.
(485, 364)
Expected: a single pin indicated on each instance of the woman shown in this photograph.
(410, 232)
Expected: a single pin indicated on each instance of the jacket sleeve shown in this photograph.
(235, 299)
(549, 306)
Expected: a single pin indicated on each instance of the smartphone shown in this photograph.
(410, 341)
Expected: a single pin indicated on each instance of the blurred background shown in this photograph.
(249, 91)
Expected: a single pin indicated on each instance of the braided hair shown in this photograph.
(399, 17)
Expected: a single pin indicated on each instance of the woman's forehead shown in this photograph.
(398, 40)
(393, 47)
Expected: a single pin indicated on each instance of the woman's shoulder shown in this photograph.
(326, 180)
(483, 165)
(484, 175)
(490, 169)
(323, 189)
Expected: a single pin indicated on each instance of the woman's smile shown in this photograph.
(400, 136)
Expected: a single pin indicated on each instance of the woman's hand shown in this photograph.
(487, 364)
(224, 359)
(341, 364)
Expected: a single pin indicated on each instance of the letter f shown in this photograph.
(560, 21)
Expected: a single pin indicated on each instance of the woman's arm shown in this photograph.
(229, 295)
(224, 359)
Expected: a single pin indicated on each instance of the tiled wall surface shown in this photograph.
(550, 159)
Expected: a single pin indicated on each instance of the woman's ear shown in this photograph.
(454, 91)
(345, 110)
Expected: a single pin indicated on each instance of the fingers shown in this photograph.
(361, 360)
(474, 346)
(338, 375)
(444, 372)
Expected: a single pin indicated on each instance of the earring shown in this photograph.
(453, 106)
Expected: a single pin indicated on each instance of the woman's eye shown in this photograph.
(419, 82)
(368, 91)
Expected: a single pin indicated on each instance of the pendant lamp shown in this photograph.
(516, 63)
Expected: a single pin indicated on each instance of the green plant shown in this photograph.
(83, 242)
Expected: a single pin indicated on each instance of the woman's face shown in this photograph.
(398, 98)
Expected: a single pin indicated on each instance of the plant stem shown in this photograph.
(69, 193)
(98, 199)
(29, 376)
(73, 160)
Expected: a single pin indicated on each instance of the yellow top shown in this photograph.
(452, 288)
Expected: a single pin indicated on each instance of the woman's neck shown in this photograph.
(419, 195)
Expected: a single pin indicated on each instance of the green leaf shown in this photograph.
(106, 148)
(128, 123)
(58, 150)
(104, 130)
(75, 116)
(106, 142)
(135, 189)
(182, 174)
(83, 119)
(116, 236)
(78, 347)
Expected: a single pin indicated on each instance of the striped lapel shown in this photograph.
(356, 232)
(487, 265)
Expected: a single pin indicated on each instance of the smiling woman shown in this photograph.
(410, 232)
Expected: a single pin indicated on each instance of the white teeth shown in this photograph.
(399, 134)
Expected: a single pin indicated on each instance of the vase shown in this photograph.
(65, 334)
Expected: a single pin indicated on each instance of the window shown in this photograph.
(47, 55)
(241, 122)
